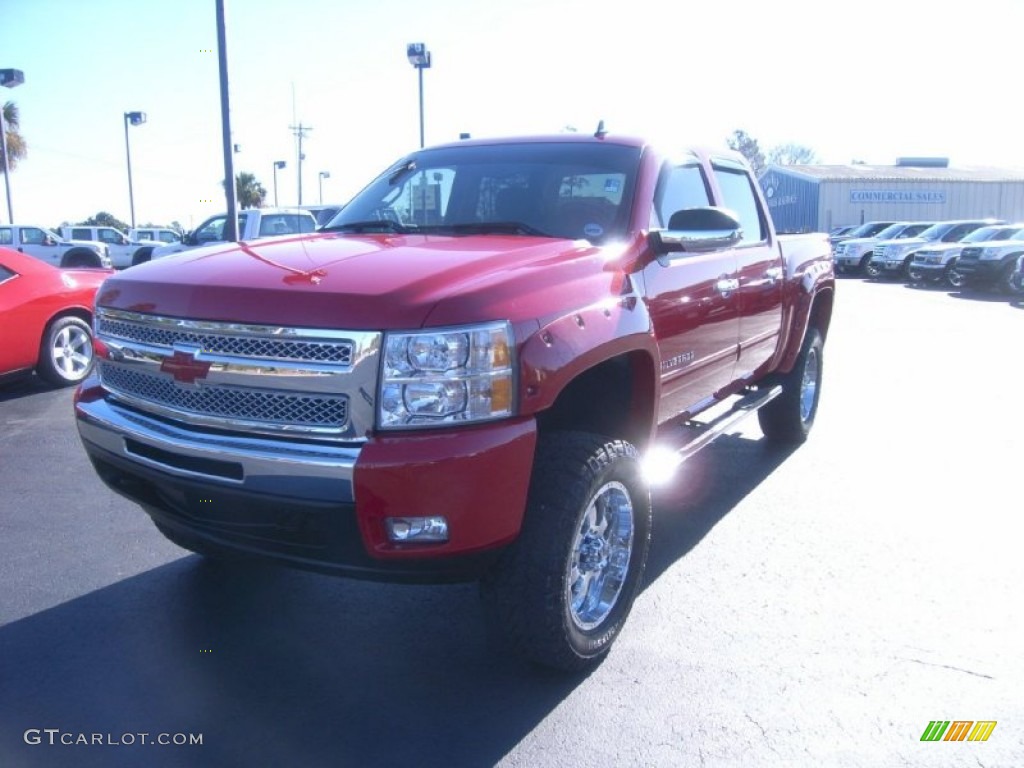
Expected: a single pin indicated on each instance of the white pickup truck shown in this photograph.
(124, 250)
(253, 224)
(48, 246)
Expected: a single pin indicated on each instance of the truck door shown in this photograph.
(692, 300)
(760, 266)
(40, 244)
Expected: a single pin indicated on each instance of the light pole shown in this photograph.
(9, 78)
(419, 57)
(135, 118)
(322, 175)
(278, 164)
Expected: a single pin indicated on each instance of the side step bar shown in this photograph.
(745, 406)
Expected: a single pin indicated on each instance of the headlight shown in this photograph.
(989, 253)
(446, 376)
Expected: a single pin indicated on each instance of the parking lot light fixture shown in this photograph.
(278, 165)
(9, 78)
(134, 118)
(419, 57)
(323, 175)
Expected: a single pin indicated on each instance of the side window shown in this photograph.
(81, 233)
(679, 187)
(959, 232)
(6, 236)
(5, 273)
(110, 236)
(32, 236)
(738, 196)
(212, 230)
(167, 237)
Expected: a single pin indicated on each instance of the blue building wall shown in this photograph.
(792, 201)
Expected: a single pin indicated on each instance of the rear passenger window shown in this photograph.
(81, 234)
(679, 187)
(738, 196)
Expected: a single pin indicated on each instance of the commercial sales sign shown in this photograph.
(897, 196)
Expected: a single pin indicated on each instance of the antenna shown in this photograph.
(600, 133)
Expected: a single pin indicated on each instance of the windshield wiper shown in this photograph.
(372, 225)
(485, 228)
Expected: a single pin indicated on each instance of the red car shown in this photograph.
(46, 318)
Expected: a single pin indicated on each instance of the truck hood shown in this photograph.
(370, 282)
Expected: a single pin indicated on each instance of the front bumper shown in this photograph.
(314, 505)
(981, 270)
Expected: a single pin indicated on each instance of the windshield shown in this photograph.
(911, 230)
(935, 231)
(989, 233)
(553, 189)
(890, 232)
(869, 229)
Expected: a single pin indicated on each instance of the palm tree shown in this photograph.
(251, 193)
(16, 146)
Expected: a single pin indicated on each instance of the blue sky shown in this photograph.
(868, 80)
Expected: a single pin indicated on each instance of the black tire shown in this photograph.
(65, 353)
(915, 275)
(789, 417)
(80, 259)
(952, 276)
(1007, 284)
(588, 510)
(142, 255)
(867, 268)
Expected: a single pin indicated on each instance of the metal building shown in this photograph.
(816, 198)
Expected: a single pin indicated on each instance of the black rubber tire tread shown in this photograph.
(524, 594)
(1006, 284)
(80, 258)
(45, 367)
(780, 420)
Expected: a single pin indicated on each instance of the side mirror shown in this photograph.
(696, 230)
(189, 238)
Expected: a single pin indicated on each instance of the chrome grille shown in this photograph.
(232, 403)
(337, 352)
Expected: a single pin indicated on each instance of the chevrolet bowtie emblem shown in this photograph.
(184, 367)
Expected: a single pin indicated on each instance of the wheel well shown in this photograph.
(84, 315)
(614, 398)
(821, 313)
(83, 254)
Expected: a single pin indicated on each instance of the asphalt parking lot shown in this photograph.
(816, 607)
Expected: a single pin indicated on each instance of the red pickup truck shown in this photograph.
(460, 376)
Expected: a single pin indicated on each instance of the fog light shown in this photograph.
(413, 529)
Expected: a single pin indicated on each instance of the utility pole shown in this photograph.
(300, 133)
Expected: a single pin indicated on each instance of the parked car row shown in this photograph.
(982, 253)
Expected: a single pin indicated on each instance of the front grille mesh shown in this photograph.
(320, 351)
(231, 403)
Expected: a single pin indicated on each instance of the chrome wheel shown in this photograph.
(599, 561)
(71, 352)
(809, 385)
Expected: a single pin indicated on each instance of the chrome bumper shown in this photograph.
(313, 471)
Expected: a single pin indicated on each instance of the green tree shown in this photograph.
(104, 219)
(17, 149)
(747, 146)
(251, 194)
(792, 154)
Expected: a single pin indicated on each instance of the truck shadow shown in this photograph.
(281, 667)
(24, 385)
(271, 667)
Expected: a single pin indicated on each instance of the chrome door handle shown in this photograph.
(773, 274)
(727, 285)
